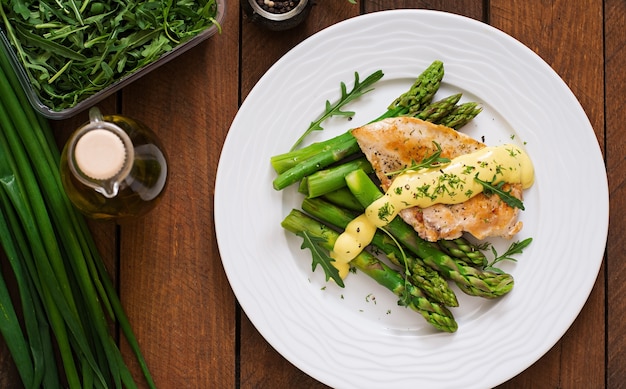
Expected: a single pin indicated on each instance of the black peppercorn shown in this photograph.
(277, 15)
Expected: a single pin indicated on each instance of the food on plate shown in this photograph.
(411, 162)
(458, 203)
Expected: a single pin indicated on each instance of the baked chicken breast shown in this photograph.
(396, 143)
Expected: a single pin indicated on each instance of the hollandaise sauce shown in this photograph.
(454, 183)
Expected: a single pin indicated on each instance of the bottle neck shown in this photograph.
(100, 155)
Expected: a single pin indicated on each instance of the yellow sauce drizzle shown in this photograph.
(358, 234)
(452, 184)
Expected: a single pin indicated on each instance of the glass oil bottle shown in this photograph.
(113, 167)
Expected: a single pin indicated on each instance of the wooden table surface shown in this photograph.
(167, 265)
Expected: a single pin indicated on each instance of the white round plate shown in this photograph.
(358, 337)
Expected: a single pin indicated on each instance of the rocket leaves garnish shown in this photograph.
(514, 248)
(320, 257)
(72, 50)
(490, 188)
(359, 89)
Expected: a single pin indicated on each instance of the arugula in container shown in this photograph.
(72, 49)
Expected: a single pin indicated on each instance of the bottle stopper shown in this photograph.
(100, 154)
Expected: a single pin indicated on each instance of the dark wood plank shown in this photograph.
(471, 9)
(576, 54)
(174, 287)
(262, 47)
(615, 79)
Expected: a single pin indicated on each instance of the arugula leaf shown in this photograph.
(72, 49)
(490, 188)
(320, 257)
(430, 161)
(359, 89)
(48, 45)
(514, 248)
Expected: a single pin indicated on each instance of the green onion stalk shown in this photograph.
(68, 297)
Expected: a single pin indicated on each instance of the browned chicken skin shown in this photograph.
(393, 144)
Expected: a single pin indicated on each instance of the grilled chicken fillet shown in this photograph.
(394, 144)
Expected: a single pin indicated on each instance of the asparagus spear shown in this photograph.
(337, 152)
(461, 115)
(438, 110)
(464, 250)
(285, 161)
(435, 314)
(422, 276)
(409, 103)
(328, 180)
(470, 280)
(343, 198)
(421, 93)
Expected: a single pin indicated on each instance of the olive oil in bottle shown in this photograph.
(113, 167)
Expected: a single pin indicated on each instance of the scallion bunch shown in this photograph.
(67, 298)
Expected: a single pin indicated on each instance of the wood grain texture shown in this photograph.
(471, 9)
(615, 79)
(260, 47)
(172, 281)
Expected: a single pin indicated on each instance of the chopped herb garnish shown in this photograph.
(468, 169)
(447, 183)
(385, 211)
(422, 191)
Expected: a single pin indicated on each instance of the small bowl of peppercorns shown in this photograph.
(277, 15)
